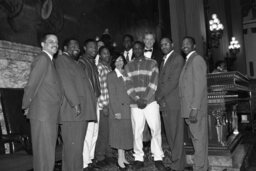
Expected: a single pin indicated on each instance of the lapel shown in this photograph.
(168, 62)
(186, 66)
(190, 60)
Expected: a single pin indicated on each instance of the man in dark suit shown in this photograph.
(42, 100)
(193, 96)
(127, 44)
(168, 97)
(78, 107)
(150, 51)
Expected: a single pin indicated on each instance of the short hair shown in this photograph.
(68, 40)
(122, 56)
(103, 47)
(140, 43)
(170, 39)
(192, 39)
(45, 36)
(88, 41)
(128, 35)
(150, 32)
(218, 63)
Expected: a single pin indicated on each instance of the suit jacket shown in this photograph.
(77, 90)
(168, 83)
(158, 56)
(193, 86)
(42, 94)
(89, 67)
(119, 101)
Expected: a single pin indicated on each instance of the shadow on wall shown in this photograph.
(81, 19)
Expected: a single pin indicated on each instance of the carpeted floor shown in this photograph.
(21, 161)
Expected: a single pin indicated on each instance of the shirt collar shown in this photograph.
(66, 53)
(50, 56)
(129, 51)
(169, 54)
(189, 55)
(118, 73)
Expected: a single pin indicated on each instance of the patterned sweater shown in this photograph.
(141, 78)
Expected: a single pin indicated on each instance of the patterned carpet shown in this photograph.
(148, 162)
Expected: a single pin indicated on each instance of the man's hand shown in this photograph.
(105, 110)
(162, 104)
(193, 116)
(26, 111)
(77, 109)
(118, 115)
(141, 103)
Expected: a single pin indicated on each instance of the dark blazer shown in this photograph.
(158, 56)
(193, 86)
(42, 94)
(77, 90)
(168, 83)
(118, 99)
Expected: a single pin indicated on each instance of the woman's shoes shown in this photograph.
(122, 168)
(127, 164)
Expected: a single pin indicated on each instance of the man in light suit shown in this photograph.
(193, 96)
(78, 107)
(168, 97)
(42, 100)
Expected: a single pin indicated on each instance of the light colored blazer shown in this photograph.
(193, 86)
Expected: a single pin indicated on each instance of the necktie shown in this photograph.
(127, 56)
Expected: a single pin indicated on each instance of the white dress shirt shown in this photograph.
(167, 56)
(129, 54)
(148, 54)
(188, 56)
(50, 56)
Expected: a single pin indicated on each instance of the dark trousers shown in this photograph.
(174, 129)
(44, 136)
(73, 135)
(103, 148)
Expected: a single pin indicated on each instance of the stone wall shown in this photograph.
(15, 61)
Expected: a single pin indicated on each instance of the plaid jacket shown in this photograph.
(103, 71)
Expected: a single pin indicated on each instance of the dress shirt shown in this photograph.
(148, 53)
(188, 56)
(50, 56)
(119, 74)
(129, 54)
(167, 56)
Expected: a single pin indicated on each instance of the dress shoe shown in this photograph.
(121, 168)
(127, 164)
(101, 164)
(111, 160)
(89, 168)
(137, 165)
(160, 166)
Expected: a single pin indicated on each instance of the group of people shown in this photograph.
(100, 108)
